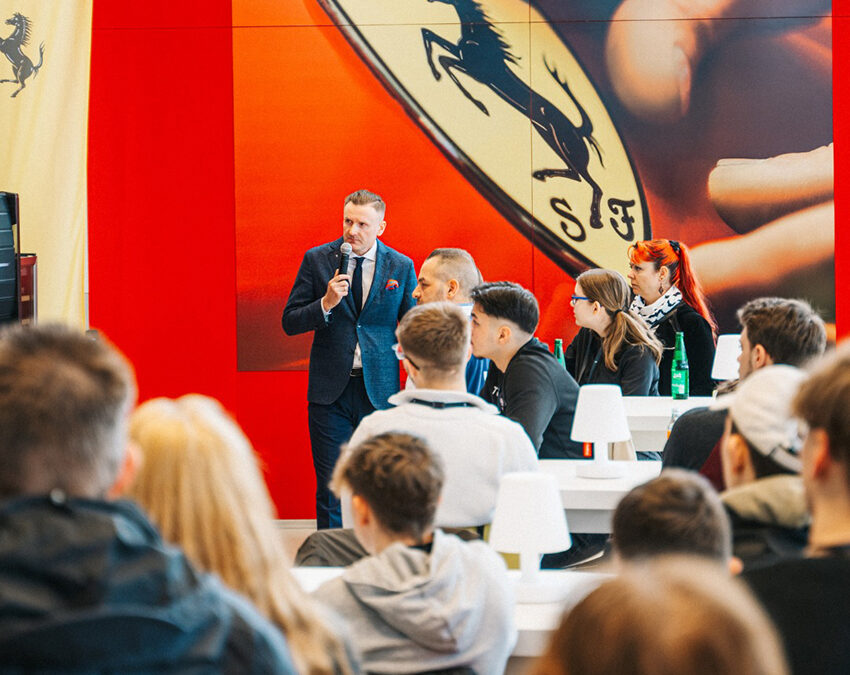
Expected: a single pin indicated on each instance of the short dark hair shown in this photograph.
(823, 402)
(790, 331)
(436, 335)
(678, 512)
(64, 400)
(366, 198)
(399, 477)
(510, 301)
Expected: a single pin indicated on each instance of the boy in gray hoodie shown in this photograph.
(423, 599)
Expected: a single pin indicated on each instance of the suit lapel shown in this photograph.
(381, 275)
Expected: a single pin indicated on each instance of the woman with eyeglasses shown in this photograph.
(614, 345)
(670, 299)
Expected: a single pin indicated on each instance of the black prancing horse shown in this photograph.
(482, 54)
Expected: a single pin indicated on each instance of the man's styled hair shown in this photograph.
(455, 263)
(64, 399)
(366, 198)
(790, 331)
(678, 512)
(398, 476)
(823, 402)
(674, 614)
(436, 336)
(510, 301)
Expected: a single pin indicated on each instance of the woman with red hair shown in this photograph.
(669, 298)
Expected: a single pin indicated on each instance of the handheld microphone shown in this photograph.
(344, 253)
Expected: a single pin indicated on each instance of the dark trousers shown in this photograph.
(330, 427)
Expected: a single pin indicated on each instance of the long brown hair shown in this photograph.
(201, 484)
(676, 257)
(611, 291)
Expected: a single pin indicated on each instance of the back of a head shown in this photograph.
(674, 616)
(510, 301)
(64, 398)
(790, 331)
(455, 263)
(823, 402)
(398, 476)
(436, 336)
(200, 482)
(678, 512)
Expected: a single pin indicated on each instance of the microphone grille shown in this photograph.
(345, 248)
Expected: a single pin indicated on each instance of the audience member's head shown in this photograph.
(447, 274)
(678, 512)
(200, 482)
(64, 400)
(823, 403)
(666, 617)
(761, 437)
(435, 341)
(504, 317)
(395, 482)
(778, 330)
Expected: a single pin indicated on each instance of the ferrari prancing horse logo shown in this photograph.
(11, 47)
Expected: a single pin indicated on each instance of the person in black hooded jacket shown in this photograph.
(86, 583)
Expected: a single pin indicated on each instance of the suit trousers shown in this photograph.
(331, 426)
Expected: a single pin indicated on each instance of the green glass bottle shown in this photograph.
(559, 352)
(680, 371)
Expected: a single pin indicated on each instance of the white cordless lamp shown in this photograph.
(529, 519)
(600, 419)
(726, 355)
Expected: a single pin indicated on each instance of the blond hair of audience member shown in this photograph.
(624, 326)
(672, 616)
(200, 482)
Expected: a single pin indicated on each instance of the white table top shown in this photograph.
(649, 413)
(534, 622)
(597, 493)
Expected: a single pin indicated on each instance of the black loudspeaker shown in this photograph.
(10, 248)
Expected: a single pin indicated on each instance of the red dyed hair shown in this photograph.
(676, 257)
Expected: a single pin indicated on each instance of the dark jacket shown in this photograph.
(693, 437)
(539, 394)
(807, 600)
(89, 586)
(699, 345)
(636, 373)
(332, 352)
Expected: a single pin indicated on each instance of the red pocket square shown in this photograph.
(392, 284)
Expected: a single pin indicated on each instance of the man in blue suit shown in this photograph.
(353, 316)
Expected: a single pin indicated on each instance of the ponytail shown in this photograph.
(676, 257)
(611, 291)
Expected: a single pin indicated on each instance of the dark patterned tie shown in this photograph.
(357, 284)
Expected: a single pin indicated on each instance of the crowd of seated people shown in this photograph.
(143, 540)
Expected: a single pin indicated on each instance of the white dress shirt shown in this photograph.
(368, 272)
